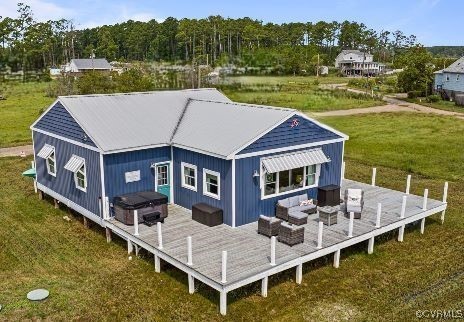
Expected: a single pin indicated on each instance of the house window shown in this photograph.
(457, 78)
(189, 176)
(447, 77)
(211, 183)
(291, 180)
(80, 178)
(51, 164)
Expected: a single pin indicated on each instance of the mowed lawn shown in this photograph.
(22, 106)
(94, 281)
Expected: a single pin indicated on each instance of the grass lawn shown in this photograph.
(274, 80)
(441, 105)
(92, 280)
(23, 105)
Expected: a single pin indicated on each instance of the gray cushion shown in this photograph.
(303, 197)
(302, 208)
(265, 217)
(294, 201)
(298, 215)
(357, 209)
(284, 203)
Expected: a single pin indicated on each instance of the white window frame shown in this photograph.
(205, 191)
(305, 187)
(85, 178)
(54, 161)
(194, 167)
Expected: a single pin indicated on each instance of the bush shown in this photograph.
(433, 98)
(414, 94)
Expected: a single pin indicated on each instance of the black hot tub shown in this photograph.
(147, 203)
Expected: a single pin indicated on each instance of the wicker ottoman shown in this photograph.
(290, 234)
(298, 218)
(328, 215)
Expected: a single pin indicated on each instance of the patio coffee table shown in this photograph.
(328, 215)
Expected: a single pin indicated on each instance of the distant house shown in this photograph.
(76, 66)
(356, 62)
(450, 81)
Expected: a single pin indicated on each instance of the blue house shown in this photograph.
(450, 81)
(191, 145)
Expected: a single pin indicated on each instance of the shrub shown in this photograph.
(433, 98)
(414, 94)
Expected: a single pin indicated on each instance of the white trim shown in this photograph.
(342, 171)
(205, 190)
(233, 192)
(180, 146)
(231, 155)
(278, 194)
(172, 175)
(137, 148)
(85, 177)
(89, 147)
(71, 204)
(103, 190)
(43, 114)
(54, 163)
(288, 148)
(194, 167)
(169, 164)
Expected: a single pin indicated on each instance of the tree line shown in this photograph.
(29, 44)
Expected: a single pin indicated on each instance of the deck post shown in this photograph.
(108, 234)
(299, 273)
(57, 203)
(426, 195)
(224, 267)
(191, 283)
(264, 283)
(374, 174)
(336, 263)
(157, 264)
(273, 250)
(422, 228)
(189, 251)
(223, 302)
(41, 194)
(370, 246)
(350, 226)
(445, 196)
(136, 223)
(408, 184)
(160, 237)
(319, 235)
(35, 180)
(343, 170)
(403, 207)
(107, 208)
(379, 214)
(86, 222)
(130, 247)
(401, 233)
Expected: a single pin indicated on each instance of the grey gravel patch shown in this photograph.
(38, 295)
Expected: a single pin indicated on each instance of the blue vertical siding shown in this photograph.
(285, 135)
(117, 164)
(452, 84)
(186, 197)
(248, 194)
(63, 183)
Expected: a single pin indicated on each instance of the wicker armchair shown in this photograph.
(268, 226)
(354, 202)
(291, 234)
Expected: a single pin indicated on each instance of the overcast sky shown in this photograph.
(434, 22)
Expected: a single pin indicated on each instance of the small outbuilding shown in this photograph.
(194, 146)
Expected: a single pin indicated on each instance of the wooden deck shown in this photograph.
(248, 254)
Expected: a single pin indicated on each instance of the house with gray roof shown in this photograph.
(194, 146)
(449, 81)
(358, 63)
(88, 64)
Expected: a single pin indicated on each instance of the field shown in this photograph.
(23, 105)
(441, 105)
(92, 280)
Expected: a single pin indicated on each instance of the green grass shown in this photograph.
(441, 105)
(23, 105)
(274, 80)
(94, 281)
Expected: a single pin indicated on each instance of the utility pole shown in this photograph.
(317, 70)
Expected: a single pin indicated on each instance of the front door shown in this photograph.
(162, 179)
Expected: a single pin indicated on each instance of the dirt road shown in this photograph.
(16, 151)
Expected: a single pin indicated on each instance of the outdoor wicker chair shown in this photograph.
(291, 234)
(354, 202)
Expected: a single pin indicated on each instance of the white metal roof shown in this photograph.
(45, 151)
(294, 160)
(222, 127)
(456, 67)
(74, 163)
(89, 63)
(128, 121)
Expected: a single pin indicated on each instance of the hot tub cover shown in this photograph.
(139, 200)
